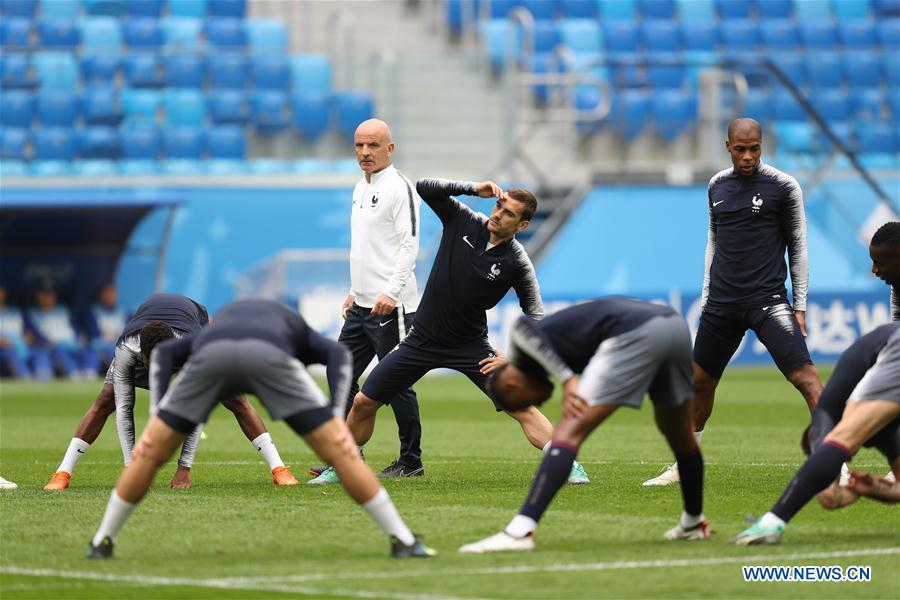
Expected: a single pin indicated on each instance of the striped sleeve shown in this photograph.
(405, 214)
(123, 390)
(438, 194)
(528, 340)
(794, 223)
(526, 285)
(895, 304)
(710, 244)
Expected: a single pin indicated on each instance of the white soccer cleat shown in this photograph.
(668, 477)
(698, 532)
(500, 542)
(844, 480)
(7, 485)
(890, 478)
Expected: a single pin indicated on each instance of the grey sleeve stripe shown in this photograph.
(412, 204)
(123, 389)
(798, 260)
(189, 447)
(527, 288)
(895, 305)
(708, 258)
(526, 339)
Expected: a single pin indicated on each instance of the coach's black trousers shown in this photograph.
(367, 336)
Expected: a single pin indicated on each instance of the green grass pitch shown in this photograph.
(234, 535)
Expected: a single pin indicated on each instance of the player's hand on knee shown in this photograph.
(492, 363)
(574, 405)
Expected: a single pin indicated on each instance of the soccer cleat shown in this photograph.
(578, 476)
(844, 479)
(102, 551)
(698, 532)
(398, 469)
(415, 550)
(890, 478)
(329, 475)
(6, 484)
(669, 476)
(757, 534)
(500, 542)
(58, 481)
(316, 471)
(282, 476)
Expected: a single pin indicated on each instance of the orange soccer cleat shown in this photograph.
(281, 476)
(58, 481)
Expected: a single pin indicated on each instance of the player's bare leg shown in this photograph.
(539, 431)
(806, 380)
(86, 433)
(253, 427)
(361, 420)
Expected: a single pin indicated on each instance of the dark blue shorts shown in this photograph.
(416, 355)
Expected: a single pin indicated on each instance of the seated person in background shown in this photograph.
(54, 339)
(13, 349)
(104, 321)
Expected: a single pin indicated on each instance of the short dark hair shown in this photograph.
(887, 235)
(153, 333)
(542, 385)
(741, 122)
(527, 198)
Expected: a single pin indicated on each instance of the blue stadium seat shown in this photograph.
(674, 112)
(229, 106)
(700, 36)
(630, 112)
(101, 106)
(310, 73)
(98, 142)
(889, 34)
(53, 143)
(143, 32)
(228, 8)
(226, 33)
(886, 8)
(137, 167)
(100, 35)
(184, 107)
(187, 8)
(144, 69)
(16, 109)
(729, 9)
(184, 142)
(890, 66)
(843, 131)
(105, 8)
(877, 136)
(351, 109)
(269, 72)
(182, 33)
(696, 10)
(182, 166)
(13, 168)
(227, 141)
(55, 70)
(863, 69)
(266, 36)
(739, 35)
(850, 9)
(99, 68)
(812, 10)
(820, 35)
(15, 71)
(866, 103)
(225, 166)
(617, 10)
(185, 70)
(857, 34)
(95, 167)
(500, 9)
(621, 37)
(13, 143)
(587, 98)
(661, 36)
(268, 166)
(311, 112)
(49, 168)
(453, 12)
(785, 107)
(541, 10)
(581, 35)
(665, 72)
(795, 137)
(757, 105)
(502, 39)
(546, 36)
(657, 9)
(140, 143)
(270, 111)
(145, 8)
(774, 9)
(141, 106)
(793, 66)
(627, 74)
(578, 9)
(58, 33)
(780, 35)
(16, 32)
(825, 69)
(57, 109)
(228, 71)
(305, 166)
(832, 105)
(18, 8)
(893, 101)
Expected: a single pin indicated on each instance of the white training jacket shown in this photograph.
(384, 240)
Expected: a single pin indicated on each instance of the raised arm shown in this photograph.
(437, 193)
(794, 224)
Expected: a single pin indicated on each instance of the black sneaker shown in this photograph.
(416, 550)
(398, 469)
(103, 551)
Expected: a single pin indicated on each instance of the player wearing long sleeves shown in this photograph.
(263, 348)
(884, 249)
(755, 214)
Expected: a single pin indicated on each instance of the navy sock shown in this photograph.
(690, 469)
(551, 475)
(818, 472)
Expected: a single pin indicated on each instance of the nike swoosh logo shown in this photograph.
(383, 323)
(466, 240)
(718, 203)
(79, 450)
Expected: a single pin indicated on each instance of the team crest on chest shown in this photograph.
(494, 273)
(374, 199)
(757, 203)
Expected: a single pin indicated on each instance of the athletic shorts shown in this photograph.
(141, 376)
(721, 332)
(654, 358)
(225, 368)
(882, 380)
(416, 355)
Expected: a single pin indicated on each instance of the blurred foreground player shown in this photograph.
(884, 249)
(623, 348)
(859, 407)
(258, 347)
(160, 317)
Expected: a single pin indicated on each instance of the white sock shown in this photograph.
(520, 526)
(117, 512)
(771, 520)
(77, 447)
(698, 435)
(688, 521)
(266, 447)
(383, 512)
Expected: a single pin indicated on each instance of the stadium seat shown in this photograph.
(16, 33)
(57, 109)
(843, 131)
(352, 108)
(578, 9)
(793, 66)
(661, 36)
(228, 8)
(886, 8)
(16, 72)
(182, 33)
(58, 33)
(893, 102)
(53, 143)
(729, 9)
(267, 166)
(657, 9)
(143, 32)
(890, 65)
(857, 34)
(696, 10)
(185, 70)
(825, 69)
(877, 136)
(184, 142)
(55, 70)
(627, 75)
(101, 106)
(541, 10)
(700, 36)
(227, 142)
(850, 9)
(270, 111)
(581, 35)
(141, 106)
(795, 137)
(106, 8)
(310, 73)
(866, 103)
(889, 34)
(228, 71)
(739, 35)
(182, 166)
(100, 35)
(226, 33)
(137, 167)
(16, 109)
(229, 106)
(184, 107)
(780, 35)
(49, 168)
(145, 8)
(144, 69)
(453, 12)
(785, 107)
(225, 166)
(630, 112)
(13, 143)
(502, 40)
(546, 36)
(99, 68)
(757, 105)
(269, 72)
(806, 11)
(266, 36)
(774, 9)
(18, 8)
(617, 10)
(587, 98)
(674, 112)
(500, 9)
(187, 8)
(621, 37)
(863, 69)
(140, 143)
(95, 167)
(832, 105)
(13, 168)
(665, 72)
(311, 114)
(98, 142)
(819, 35)
(305, 166)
